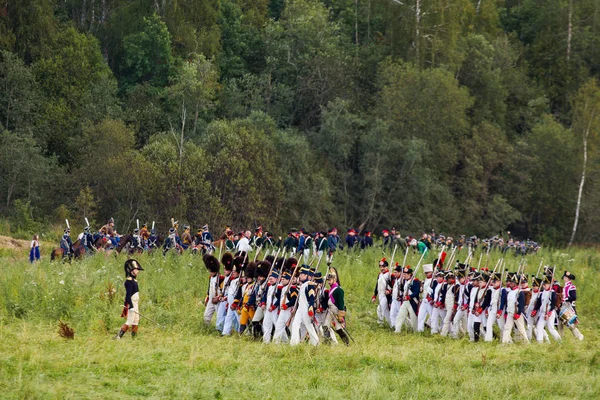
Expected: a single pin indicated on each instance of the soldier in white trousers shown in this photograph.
(426, 305)
(271, 306)
(212, 296)
(411, 290)
(515, 306)
(305, 309)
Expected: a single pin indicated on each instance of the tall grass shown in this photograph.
(184, 359)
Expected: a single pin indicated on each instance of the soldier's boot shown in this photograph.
(257, 330)
(343, 336)
(326, 336)
(477, 330)
(134, 330)
(124, 329)
(242, 328)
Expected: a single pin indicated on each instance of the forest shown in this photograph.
(463, 116)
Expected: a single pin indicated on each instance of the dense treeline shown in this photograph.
(468, 116)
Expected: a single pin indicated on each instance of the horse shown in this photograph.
(59, 253)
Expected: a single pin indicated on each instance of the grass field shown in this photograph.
(184, 359)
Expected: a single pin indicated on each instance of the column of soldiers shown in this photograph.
(276, 299)
(478, 304)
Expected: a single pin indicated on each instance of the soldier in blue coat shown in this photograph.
(66, 244)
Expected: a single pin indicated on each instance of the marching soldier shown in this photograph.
(132, 298)
(546, 308)
(321, 244)
(287, 302)
(569, 296)
(438, 312)
(411, 291)
(270, 304)
(227, 261)
(247, 310)
(351, 239)
(305, 310)
(232, 320)
(396, 295)
(335, 317)
(459, 322)
(515, 302)
(382, 290)
(427, 305)
(366, 241)
(497, 305)
(211, 302)
(450, 302)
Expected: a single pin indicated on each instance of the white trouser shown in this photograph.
(491, 321)
(424, 311)
(232, 320)
(447, 325)
(508, 327)
(546, 323)
(394, 310)
(437, 318)
(459, 323)
(383, 312)
(302, 319)
(280, 334)
(133, 316)
(306, 255)
(221, 314)
(269, 322)
(209, 311)
(406, 311)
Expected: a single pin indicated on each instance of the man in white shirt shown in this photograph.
(244, 243)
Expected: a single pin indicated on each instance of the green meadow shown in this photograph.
(177, 356)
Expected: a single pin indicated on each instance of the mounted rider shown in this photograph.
(145, 235)
(87, 241)
(152, 242)
(136, 241)
(186, 237)
(66, 244)
(108, 231)
(170, 241)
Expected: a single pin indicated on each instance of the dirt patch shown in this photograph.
(6, 242)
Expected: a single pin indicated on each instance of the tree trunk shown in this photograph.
(570, 30)
(356, 25)
(579, 195)
(418, 31)
(478, 5)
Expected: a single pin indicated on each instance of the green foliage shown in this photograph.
(414, 113)
(148, 55)
(22, 217)
(20, 97)
(243, 171)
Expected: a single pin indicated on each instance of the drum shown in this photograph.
(567, 315)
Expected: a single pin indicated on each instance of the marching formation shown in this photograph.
(474, 302)
(275, 300)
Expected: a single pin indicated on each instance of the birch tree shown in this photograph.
(586, 122)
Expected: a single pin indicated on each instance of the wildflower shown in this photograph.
(62, 282)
